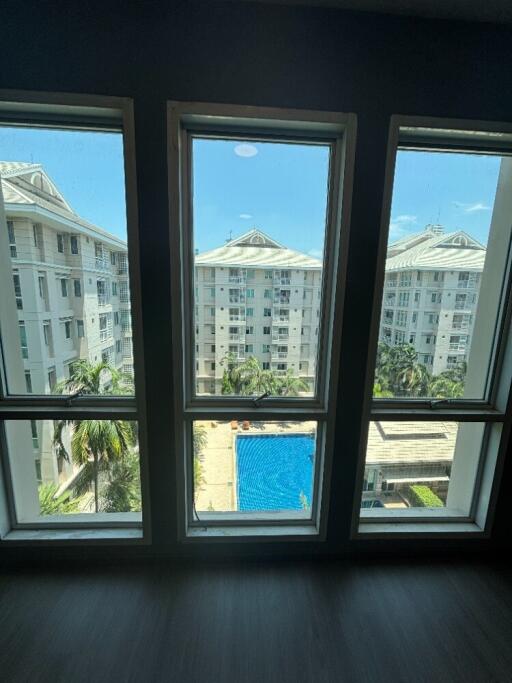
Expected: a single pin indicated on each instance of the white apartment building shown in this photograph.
(431, 293)
(72, 292)
(255, 297)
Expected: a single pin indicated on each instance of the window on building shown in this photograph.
(77, 286)
(28, 382)
(67, 329)
(245, 378)
(17, 291)
(60, 243)
(63, 287)
(436, 419)
(73, 244)
(80, 329)
(12, 239)
(114, 288)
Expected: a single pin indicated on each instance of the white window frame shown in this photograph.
(495, 409)
(76, 111)
(185, 119)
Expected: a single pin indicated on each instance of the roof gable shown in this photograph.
(33, 179)
(254, 238)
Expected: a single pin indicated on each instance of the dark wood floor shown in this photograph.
(267, 622)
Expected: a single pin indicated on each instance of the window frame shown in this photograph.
(88, 113)
(184, 119)
(495, 407)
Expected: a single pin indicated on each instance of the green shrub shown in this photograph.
(423, 497)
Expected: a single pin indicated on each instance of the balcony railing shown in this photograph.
(236, 299)
(280, 337)
(240, 317)
(240, 338)
(237, 279)
(103, 299)
(282, 301)
(280, 354)
(104, 335)
(281, 280)
(460, 346)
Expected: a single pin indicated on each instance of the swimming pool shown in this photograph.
(274, 471)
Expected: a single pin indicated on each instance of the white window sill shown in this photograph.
(90, 536)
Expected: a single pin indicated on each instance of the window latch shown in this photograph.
(257, 401)
(440, 402)
(72, 397)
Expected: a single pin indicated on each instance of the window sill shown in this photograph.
(70, 536)
(252, 533)
(434, 529)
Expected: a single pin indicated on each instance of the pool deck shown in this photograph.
(218, 490)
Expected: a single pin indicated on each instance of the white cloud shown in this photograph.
(400, 225)
(317, 253)
(245, 216)
(245, 150)
(471, 208)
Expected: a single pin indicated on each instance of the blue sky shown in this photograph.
(86, 167)
(455, 190)
(277, 187)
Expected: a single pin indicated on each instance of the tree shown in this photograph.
(122, 489)
(95, 444)
(249, 378)
(52, 504)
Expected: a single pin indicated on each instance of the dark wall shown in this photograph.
(301, 57)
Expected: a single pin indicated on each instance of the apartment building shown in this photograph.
(71, 288)
(431, 293)
(256, 297)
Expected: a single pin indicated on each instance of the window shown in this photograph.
(12, 239)
(249, 330)
(434, 439)
(43, 353)
(23, 339)
(17, 291)
(114, 288)
(222, 156)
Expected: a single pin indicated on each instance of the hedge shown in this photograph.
(423, 497)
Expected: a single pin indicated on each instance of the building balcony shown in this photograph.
(281, 280)
(103, 299)
(280, 337)
(279, 355)
(240, 317)
(237, 279)
(237, 300)
(237, 338)
(458, 347)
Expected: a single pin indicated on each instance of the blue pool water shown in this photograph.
(273, 471)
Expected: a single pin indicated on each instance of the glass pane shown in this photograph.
(258, 231)
(421, 465)
(249, 466)
(63, 251)
(446, 259)
(88, 467)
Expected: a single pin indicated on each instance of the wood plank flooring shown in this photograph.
(288, 622)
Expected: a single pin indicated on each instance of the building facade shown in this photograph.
(72, 293)
(431, 294)
(255, 297)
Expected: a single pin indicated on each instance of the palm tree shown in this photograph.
(52, 504)
(122, 489)
(290, 385)
(95, 444)
(200, 440)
